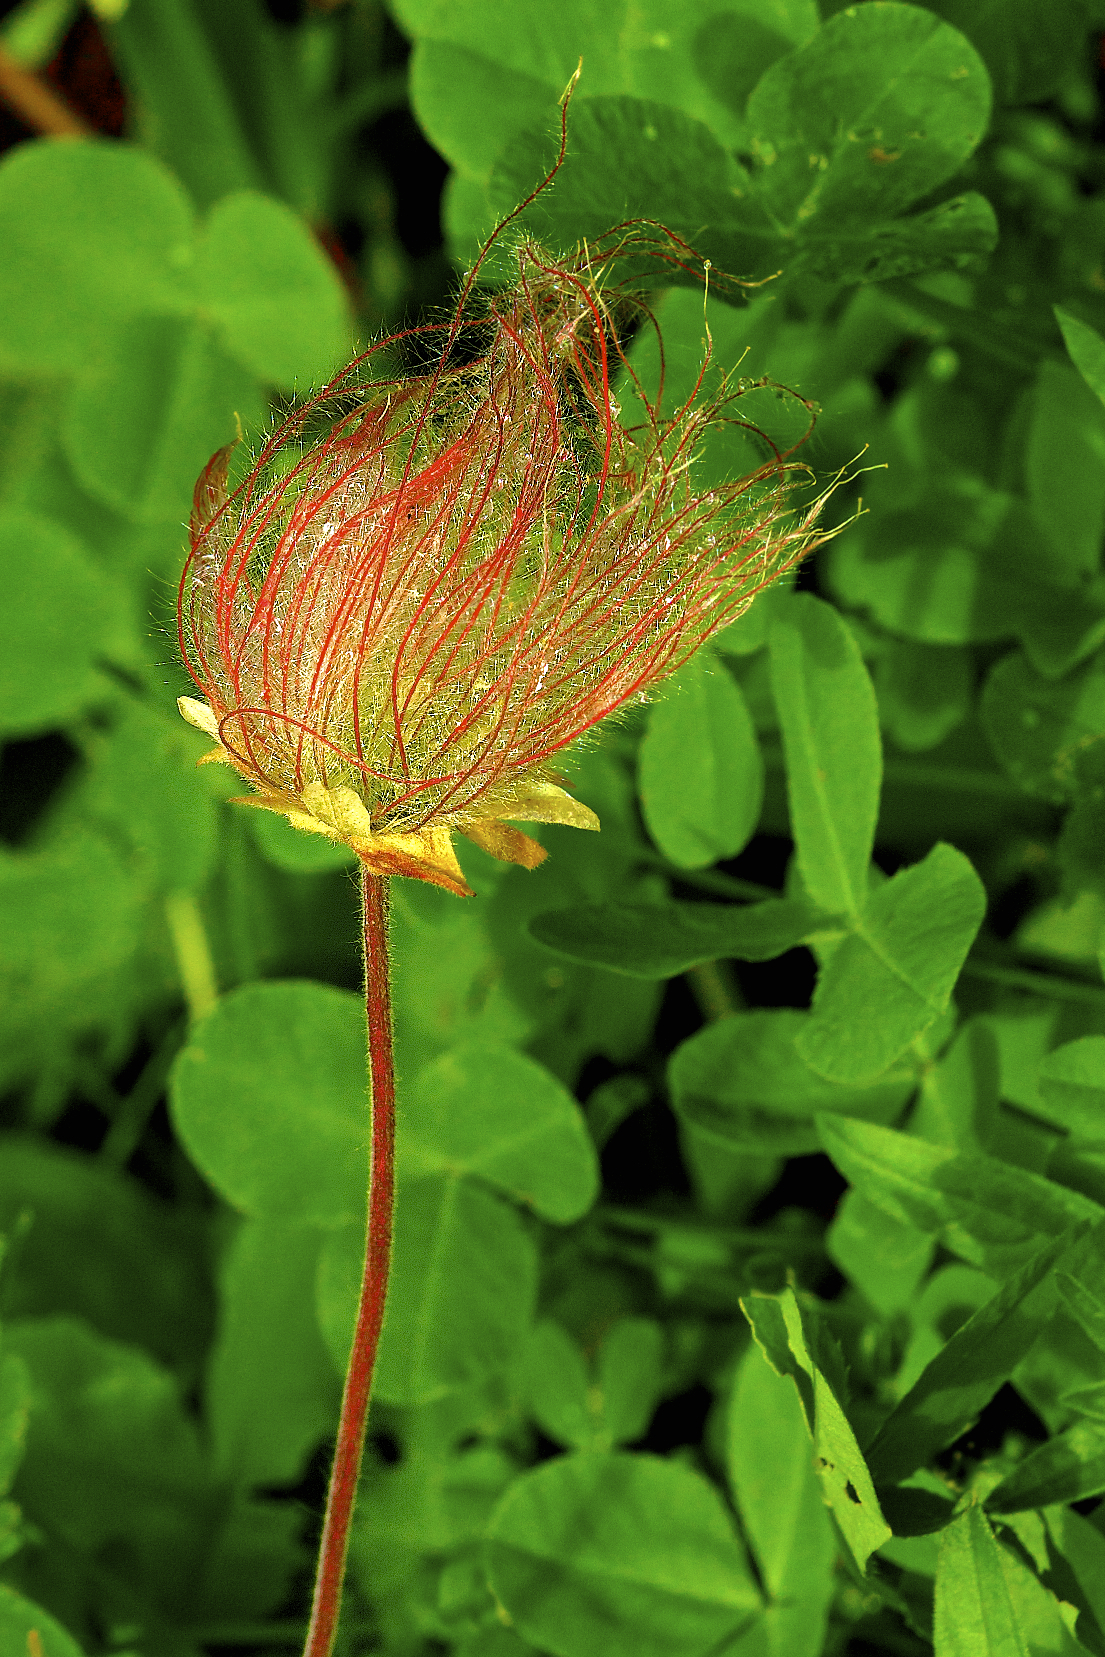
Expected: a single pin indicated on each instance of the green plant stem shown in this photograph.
(1035, 983)
(340, 1497)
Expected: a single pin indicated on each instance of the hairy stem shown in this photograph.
(370, 1310)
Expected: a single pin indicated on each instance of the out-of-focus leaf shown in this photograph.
(68, 920)
(1027, 60)
(904, 957)
(947, 1398)
(992, 1215)
(91, 233)
(1083, 1547)
(272, 1391)
(630, 1376)
(1065, 468)
(460, 1295)
(771, 1471)
(275, 297)
(1087, 349)
(114, 1463)
(15, 1404)
(295, 852)
(1068, 1468)
(829, 719)
(1044, 730)
(93, 1243)
(923, 569)
(663, 940)
(924, 692)
(701, 772)
(143, 786)
(270, 1100)
(625, 1554)
(742, 1081)
(960, 1094)
(1087, 1303)
(450, 83)
(557, 1385)
(497, 1115)
(62, 618)
(20, 1621)
(883, 1257)
(600, 1406)
(155, 398)
(1072, 1087)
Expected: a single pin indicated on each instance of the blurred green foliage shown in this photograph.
(649, 1382)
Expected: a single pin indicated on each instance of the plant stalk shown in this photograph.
(341, 1496)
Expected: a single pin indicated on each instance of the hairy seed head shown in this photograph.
(425, 585)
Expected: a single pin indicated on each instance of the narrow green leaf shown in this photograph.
(1083, 1547)
(662, 940)
(904, 957)
(974, 1612)
(1068, 1468)
(495, 1114)
(624, 1554)
(953, 1389)
(780, 1329)
(829, 720)
(270, 1100)
(1087, 1304)
(770, 1463)
(991, 1214)
(742, 1081)
(700, 768)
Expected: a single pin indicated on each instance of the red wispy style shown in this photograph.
(427, 582)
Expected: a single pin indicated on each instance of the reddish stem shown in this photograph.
(341, 1496)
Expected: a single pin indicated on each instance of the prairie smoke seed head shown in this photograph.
(426, 585)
